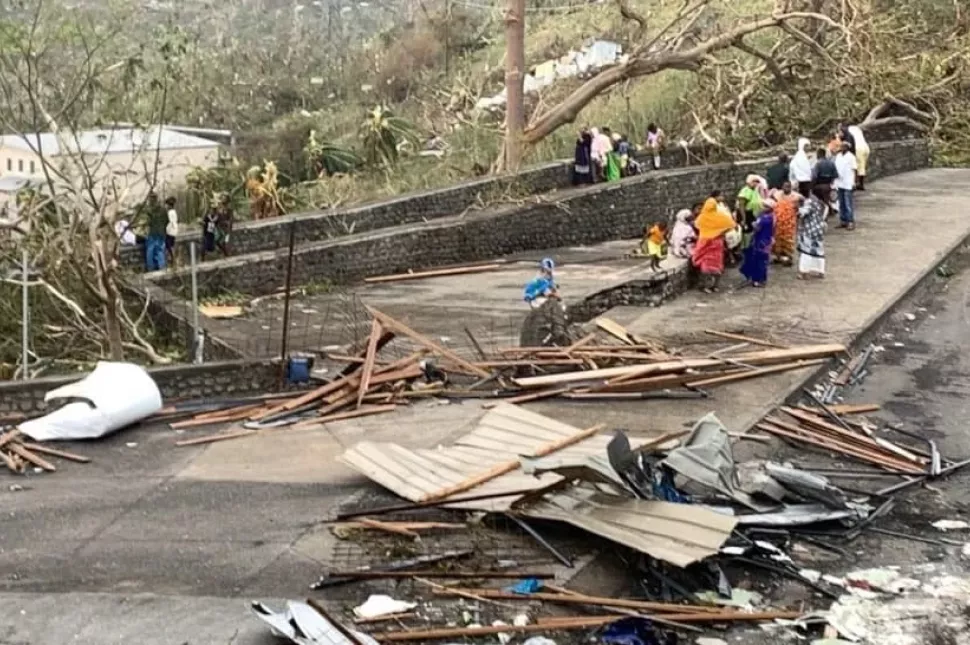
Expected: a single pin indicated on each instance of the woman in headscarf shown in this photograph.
(750, 199)
(861, 156)
(786, 219)
(811, 236)
(800, 168)
(708, 256)
(583, 159)
(683, 235)
(758, 254)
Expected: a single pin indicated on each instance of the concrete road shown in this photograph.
(158, 545)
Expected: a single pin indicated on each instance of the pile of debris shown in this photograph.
(16, 454)
(607, 363)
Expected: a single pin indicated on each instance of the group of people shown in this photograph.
(772, 217)
(160, 223)
(604, 155)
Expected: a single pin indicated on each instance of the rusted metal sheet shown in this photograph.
(680, 534)
(504, 433)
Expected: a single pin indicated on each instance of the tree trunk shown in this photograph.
(110, 295)
(514, 77)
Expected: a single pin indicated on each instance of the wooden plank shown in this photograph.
(582, 599)
(10, 436)
(227, 416)
(744, 339)
(525, 362)
(764, 371)
(617, 331)
(778, 427)
(397, 277)
(55, 452)
(855, 408)
(506, 467)
(831, 428)
(370, 355)
(340, 416)
(30, 457)
(580, 622)
(401, 328)
(13, 464)
(386, 527)
(233, 434)
(766, 357)
(529, 396)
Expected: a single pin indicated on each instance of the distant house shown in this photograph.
(122, 159)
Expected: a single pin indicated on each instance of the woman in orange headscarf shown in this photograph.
(708, 256)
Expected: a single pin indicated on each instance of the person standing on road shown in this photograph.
(846, 165)
(811, 234)
(171, 229)
(800, 169)
(155, 240)
(861, 154)
(778, 173)
(583, 159)
(712, 224)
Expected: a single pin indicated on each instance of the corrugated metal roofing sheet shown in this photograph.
(503, 434)
(676, 533)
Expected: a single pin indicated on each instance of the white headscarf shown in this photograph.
(860, 139)
(800, 168)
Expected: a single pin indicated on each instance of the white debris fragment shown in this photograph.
(539, 640)
(380, 605)
(910, 316)
(951, 525)
(810, 574)
(710, 641)
(521, 620)
(965, 552)
(503, 637)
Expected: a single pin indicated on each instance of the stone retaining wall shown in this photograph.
(576, 217)
(268, 235)
(273, 234)
(216, 380)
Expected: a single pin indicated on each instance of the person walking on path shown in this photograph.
(171, 229)
(758, 254)
(155, 240)
(800, 169)
(655, 142)
(708, 256)
(861, 152)
(786, 220)
(216, 228)
(811, 235)
(583, 159)
(778, 173)
(846, 165)
(683, 237)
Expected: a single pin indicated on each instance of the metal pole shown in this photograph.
(286, 295)
(24, 317)
(196, 345)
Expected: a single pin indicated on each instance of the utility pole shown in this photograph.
(447, 38)
(514, 77)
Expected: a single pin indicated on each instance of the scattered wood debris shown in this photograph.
(607, 363)
(17, 454)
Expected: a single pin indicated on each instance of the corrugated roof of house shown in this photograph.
(108, 141)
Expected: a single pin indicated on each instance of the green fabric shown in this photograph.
(752, 198)
(157, 219)
(612, 167)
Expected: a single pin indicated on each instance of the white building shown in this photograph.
(123, 159)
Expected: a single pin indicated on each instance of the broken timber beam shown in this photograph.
(765, 357)
(404, 330)
(744, 339)
(370, 356)
(764, 371)
(412, 275)
(506, 467)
